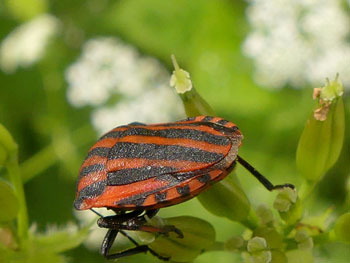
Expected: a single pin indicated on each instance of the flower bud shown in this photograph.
(198, 236)
(322, 139)
(304, 240)
(273, 238)
(288, 205)
(264, 213)
(342, 228)
(194, 104)
(258, 250)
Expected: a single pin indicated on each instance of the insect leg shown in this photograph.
(269, 186)
(136, 244)
(140, 224)
(113, 222)
(108, 242)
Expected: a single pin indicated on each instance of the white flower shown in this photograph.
(298, 42)
(107, 68)
(26, 44)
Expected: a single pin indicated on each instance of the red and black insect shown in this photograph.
(136, 169)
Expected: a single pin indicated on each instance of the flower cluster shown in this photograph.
(26, 44)
(298, 42)
(110, 70)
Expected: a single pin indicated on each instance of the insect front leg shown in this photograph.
(108, 242)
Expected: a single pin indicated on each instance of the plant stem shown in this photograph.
(16, 179)
(306, 189)
(47, 156)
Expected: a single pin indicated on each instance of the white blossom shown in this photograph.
(26, 44)
(106, 67)
(298, 42)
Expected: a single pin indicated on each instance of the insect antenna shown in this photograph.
(97, 213)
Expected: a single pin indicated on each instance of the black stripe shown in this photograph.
(171, 134)
(188, 119)
(212, 125)
(160, 197)
(162, 152)
(132, 175)
(98, 151)
(183, 191)
(207, 119)
(205, 178)
(223, 122)
(90, 191)
(91, 168)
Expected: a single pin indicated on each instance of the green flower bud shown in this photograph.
(300, 256)
(288, 205)
(180, 79)
(322, 139)
(194, 104)
(273, 238)
(304, 240)
(198, 236)
(264, 213)
(285, 199)
(278, 257)
(342, 228)
(332, 89)
(226, 199)
(234, 243)
(256, 244)
(258, 250)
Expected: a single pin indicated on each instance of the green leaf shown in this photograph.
(198, 236)
(8, 202)
(321, 142)
(226, 199)
(60, 240)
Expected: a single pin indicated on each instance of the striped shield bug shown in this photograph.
(136, 169)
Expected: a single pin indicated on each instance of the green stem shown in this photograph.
(38, 163)
(16, 179)
(48, 156)
(306, 188)
(251, 221)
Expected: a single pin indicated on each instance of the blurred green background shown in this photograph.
(207, 38)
